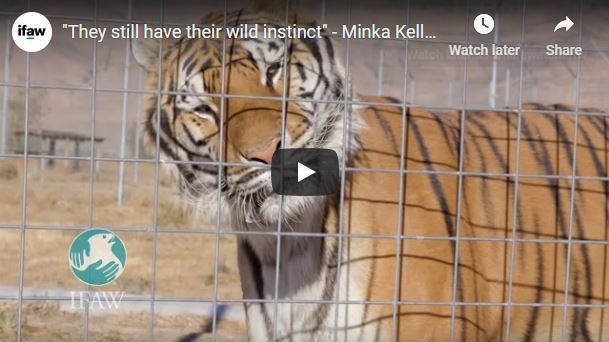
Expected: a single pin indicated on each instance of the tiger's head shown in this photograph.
(205, 114)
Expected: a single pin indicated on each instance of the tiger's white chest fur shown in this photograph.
(311, 312)
(299, 318)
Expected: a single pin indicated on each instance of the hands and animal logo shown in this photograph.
(97, 256)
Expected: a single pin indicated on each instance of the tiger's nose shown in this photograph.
(264, 154)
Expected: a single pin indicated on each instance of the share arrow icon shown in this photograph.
(566, 24)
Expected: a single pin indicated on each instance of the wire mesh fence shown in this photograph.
(183, 271)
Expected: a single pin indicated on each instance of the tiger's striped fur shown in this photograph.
(318, 293)
(543, 222)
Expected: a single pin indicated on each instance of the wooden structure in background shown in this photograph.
(54, 136)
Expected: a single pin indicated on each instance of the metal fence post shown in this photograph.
(123, 149)
(7, 73)
(136, 143)
(379, 85)
(492, 94)
(450, 94)
(412, 92)
(507, 87)
(323, 12)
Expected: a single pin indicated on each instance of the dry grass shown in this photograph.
(60, 197)
(8, 170)
(45, 321)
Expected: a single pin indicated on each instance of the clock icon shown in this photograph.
(484, 24)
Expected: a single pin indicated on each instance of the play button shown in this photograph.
(305, 172)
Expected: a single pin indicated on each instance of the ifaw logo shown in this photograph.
(32, 32)
(97, 257)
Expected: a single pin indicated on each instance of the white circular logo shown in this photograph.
(484, 24)
(97, 256)
(32, 32)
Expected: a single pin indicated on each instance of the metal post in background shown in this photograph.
(604, 56)
(492, 94)
(323, 12)
(379, 85)
(575, 88)
(412, 91)
(534, 92)
(7, 75)
(450, 94)
(507, 87)
(97, 163)
(38, 172)
(121, 166)
(136, 143)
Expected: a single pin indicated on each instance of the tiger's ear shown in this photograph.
(146, 52)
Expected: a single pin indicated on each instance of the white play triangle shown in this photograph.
(304, 172)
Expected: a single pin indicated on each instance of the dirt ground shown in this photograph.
(59, 197)
(44, 321)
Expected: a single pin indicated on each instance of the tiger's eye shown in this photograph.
(272, 70)
(203, 109)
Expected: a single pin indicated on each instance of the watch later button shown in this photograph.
(484, 24)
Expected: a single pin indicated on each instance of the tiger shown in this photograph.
(456, 225)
